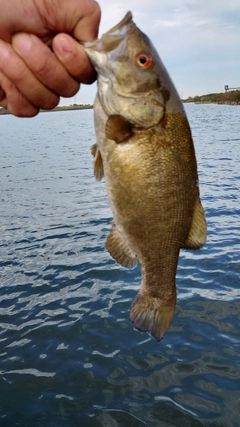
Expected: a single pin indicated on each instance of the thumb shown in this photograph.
(73, 57)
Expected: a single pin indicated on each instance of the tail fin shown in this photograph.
(152, 314)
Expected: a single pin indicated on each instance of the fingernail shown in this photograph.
(22, 42)
(63, 46)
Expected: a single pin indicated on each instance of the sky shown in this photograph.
(197, 40)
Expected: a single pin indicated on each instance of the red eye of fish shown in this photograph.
(144, 60)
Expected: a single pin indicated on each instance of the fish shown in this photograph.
(145, 152)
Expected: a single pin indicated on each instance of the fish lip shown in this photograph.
(122, 24)
(93, 44)
(118, 30)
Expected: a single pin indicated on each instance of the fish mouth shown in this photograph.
(121, 25)
(109, 40)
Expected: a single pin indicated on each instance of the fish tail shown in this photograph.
(152, 314)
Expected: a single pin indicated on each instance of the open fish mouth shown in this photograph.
(121, 26)
(111, 39)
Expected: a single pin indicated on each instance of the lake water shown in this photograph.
(69, 356)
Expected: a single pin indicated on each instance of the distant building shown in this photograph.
(230, 88)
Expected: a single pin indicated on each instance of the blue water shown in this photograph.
(69, 356)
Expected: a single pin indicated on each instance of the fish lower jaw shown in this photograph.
(103, 81)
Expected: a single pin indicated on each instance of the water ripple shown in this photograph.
(69, 355)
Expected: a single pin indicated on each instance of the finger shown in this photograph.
(15, 69)
(14, 101)
(42, 18)
(86, 28)
(72, 55)
(44, 64)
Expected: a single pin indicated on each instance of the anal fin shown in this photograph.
(119, 249)
(198, 231)
(98, 162)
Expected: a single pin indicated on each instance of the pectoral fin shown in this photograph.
(119, 249)
(98, 163)
(118, 128)
(198, 232)
(94, 149)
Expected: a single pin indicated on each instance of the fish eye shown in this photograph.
(144, 60)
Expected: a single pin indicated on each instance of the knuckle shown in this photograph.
(30, 111)
(20, 106)
(49, 103)
(20, 76)
(69, 89)
(43, 69)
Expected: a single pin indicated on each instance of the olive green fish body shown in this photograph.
(145, 151)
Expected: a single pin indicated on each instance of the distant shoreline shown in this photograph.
(63, 108)
(211, 102)
(204, 99)
(230, 97)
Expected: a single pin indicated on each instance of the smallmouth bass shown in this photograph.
(145, 152)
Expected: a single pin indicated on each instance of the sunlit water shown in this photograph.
(69, 356)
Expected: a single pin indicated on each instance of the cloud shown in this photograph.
(195, 22)
(198, 40)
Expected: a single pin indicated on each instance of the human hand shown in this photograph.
(32, 76)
